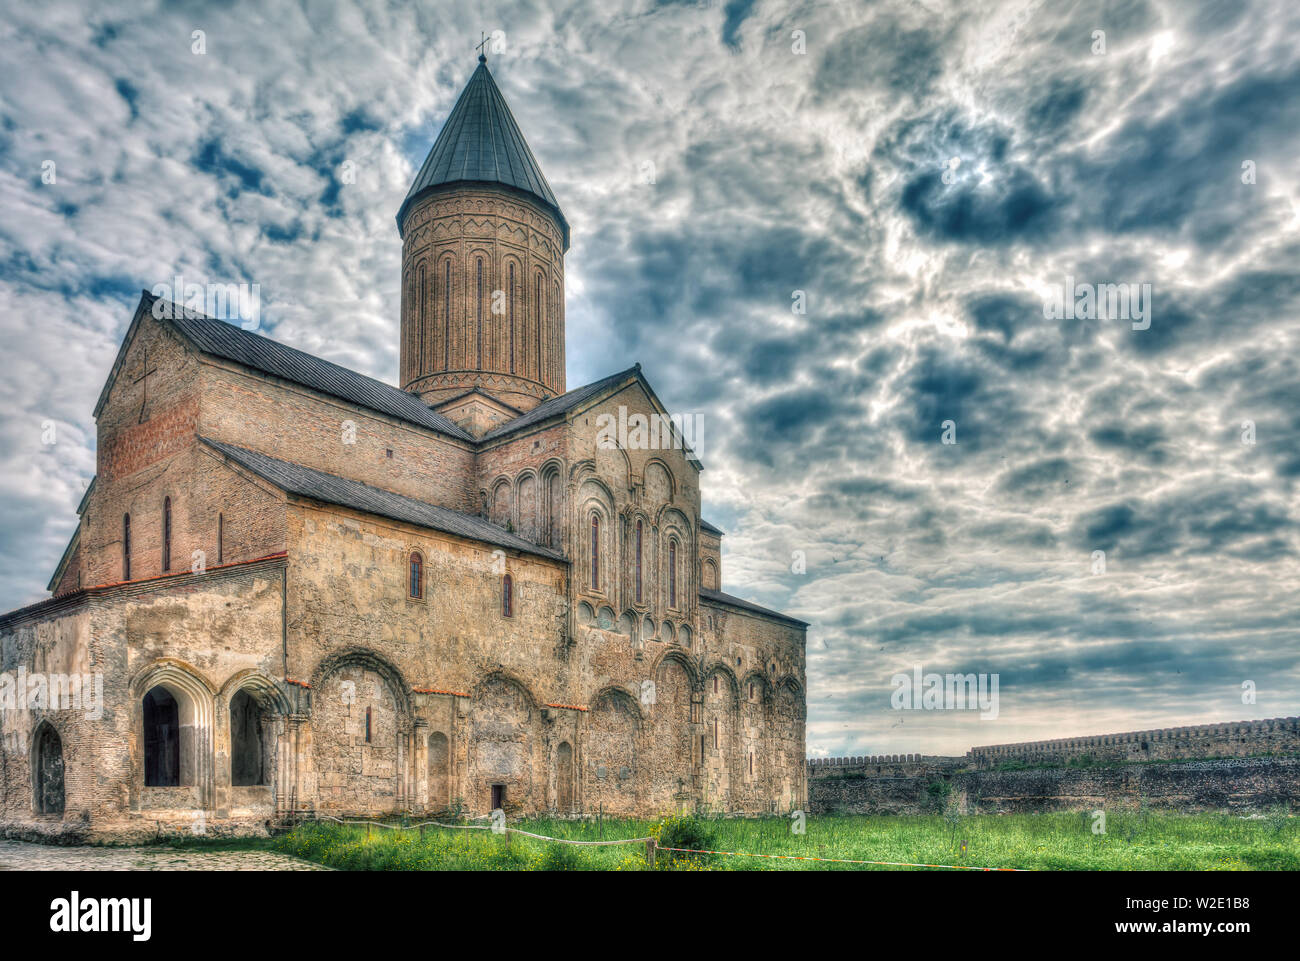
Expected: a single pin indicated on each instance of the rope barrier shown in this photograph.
(844, 860)
(480, 827)
(659, 847)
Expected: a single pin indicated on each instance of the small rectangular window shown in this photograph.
(367, 725)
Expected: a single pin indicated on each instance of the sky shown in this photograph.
(834, 231)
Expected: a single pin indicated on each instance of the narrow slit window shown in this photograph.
(419, 349)
(221, 533)
(507, 596)
(541, 332)
(167, 534)
(672, 573)
(126, 547)
(512, 318)
(367, 725)
(638, 562)
(595, 552)
(479, 309)
(446, 314)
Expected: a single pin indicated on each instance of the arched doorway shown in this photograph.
(47, 771)
(439, 771)
(162, 739)
(247, 749)
(564, 778)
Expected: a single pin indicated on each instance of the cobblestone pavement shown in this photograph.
(21, 856)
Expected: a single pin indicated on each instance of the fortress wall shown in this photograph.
(1279, 735)
(1246, 765)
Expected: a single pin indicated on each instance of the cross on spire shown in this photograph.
(482, 55)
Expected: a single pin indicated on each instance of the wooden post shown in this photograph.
(650, 853)
(367, 830)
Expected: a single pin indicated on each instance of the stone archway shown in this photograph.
(505, 748)
(612, 778)
(356, 729)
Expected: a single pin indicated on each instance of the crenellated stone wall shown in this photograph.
(1245, 765)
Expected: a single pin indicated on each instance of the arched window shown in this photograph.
(595, 552)
(167, 534)
(419, 337)
(126, 547)
(47, 771)
(446, 314)
(479, 309)
(416, 575)
(507, 597)
(512, 318)
(541, 330)
(638, 562)
(672, 573)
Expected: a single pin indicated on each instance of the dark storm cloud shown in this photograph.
(798, 270)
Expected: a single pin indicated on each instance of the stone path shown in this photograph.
(21, 856)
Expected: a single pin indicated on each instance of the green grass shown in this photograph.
(1048, 842)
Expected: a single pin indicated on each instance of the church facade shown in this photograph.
(293, 588)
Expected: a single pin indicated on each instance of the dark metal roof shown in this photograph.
(559, 405)
(481, 143)
(225, 340)
(720, 598)
(706, 526)
(306, 482)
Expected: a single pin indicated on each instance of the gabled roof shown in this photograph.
(220, 339)
(560, 405)
(64, 559)
(306, 482)
(481, 143)
(718, 597)
(706, 526)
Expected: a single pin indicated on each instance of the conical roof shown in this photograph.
(481, 143)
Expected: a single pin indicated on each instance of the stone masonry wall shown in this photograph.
(1247, 764)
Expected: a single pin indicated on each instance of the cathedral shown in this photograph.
(294, 589)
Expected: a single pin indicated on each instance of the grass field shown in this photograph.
(1045, 842)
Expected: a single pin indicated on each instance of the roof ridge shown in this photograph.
(222, 339)
(558, 404)
(457, 523)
